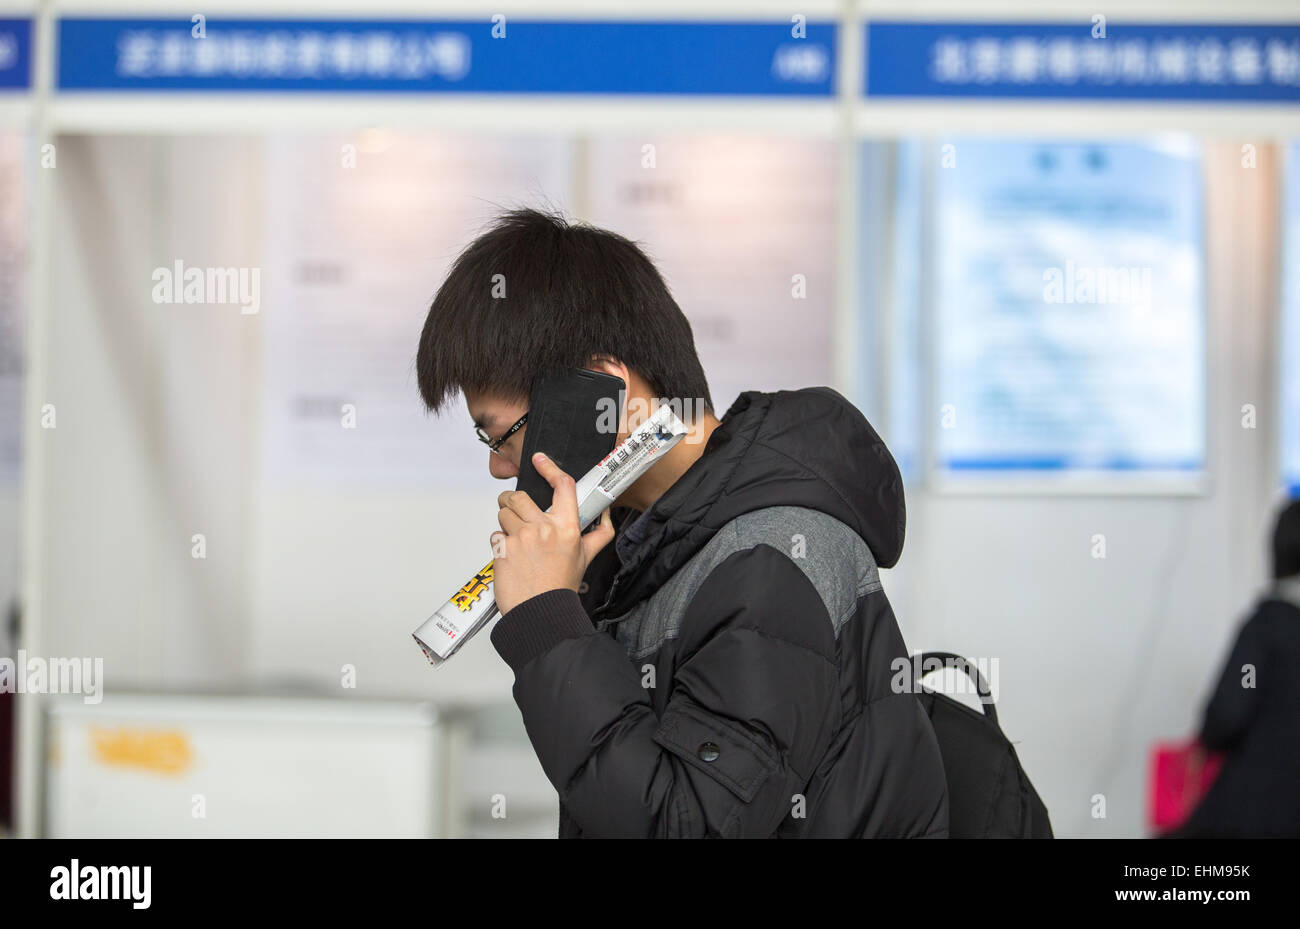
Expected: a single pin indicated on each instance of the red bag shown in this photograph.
(1181, 773)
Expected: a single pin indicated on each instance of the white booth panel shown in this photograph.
(155, 765)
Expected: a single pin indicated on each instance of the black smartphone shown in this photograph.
(573, 418)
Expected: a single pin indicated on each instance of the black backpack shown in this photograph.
(989, 795)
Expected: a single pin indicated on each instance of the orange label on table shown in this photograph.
(163, 751)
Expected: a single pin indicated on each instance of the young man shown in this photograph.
(724, 667)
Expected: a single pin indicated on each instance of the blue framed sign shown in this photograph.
(1170, 62)
(1069, 311)
(385, 56)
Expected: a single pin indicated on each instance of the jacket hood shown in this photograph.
(808, 448)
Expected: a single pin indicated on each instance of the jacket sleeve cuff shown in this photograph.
(539, 624)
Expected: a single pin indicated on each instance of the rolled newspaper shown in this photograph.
(473, 606)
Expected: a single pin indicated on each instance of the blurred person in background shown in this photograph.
(1253, 716)
(723, 668)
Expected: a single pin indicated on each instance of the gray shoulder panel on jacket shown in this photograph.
(834, 558)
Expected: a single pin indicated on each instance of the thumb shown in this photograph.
(598, 538)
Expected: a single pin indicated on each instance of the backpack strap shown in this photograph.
(951, 660)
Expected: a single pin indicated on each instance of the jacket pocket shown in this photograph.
(720, 748)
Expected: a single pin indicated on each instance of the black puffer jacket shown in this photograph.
(728, 672)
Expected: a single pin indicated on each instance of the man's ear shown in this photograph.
(609, 365)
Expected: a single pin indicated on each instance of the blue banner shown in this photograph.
(15, 54)
(385, 56)
(1184, 61)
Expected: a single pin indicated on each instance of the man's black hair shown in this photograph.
(536, 292)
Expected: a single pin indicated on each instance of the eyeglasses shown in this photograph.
(495, 446)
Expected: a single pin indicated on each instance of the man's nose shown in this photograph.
(501, 467)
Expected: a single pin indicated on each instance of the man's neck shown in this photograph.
(642, 495)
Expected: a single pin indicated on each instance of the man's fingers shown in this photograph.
(520, 503)
(598, 537)
(564, 503)
(510, 520)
